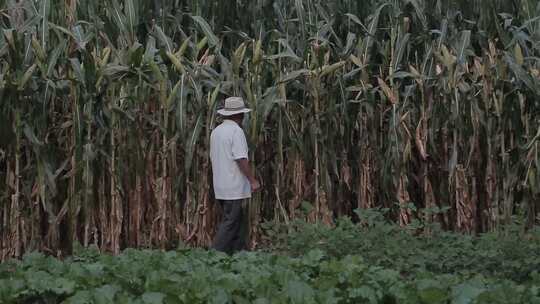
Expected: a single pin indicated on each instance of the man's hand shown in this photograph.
(244, 168)
(255, 185)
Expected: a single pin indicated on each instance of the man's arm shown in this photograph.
(243, 165)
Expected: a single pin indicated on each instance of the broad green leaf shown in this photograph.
(80, 297)
(63, 286)
(466, 293)
(153, 298)
(105, 294)
(431, 292)
(299, 292)
(39, 281)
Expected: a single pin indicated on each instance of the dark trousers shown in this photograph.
(230, 236)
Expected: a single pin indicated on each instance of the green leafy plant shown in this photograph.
(507, 254)
(195, 276)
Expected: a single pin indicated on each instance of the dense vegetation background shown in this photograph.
(426, 108)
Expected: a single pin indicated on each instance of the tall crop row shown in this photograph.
(106, 109)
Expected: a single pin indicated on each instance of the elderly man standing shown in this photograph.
(232, 176)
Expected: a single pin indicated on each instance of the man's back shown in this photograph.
(228, 144)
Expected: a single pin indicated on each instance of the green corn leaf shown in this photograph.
(465, 42)
(518, 53)
(31, 136)
(207, 30)
(45, 8)
(372, 30)
(401, 47)
(192, 141)
(419, 12)
(287, 53)
(355, 19)
(55, 56)
(176, 62)
(118, 16)
(183, 48)
(238, 58)
(150, 51)
(173, 94)
(294, 75)
(164, 39)
(131, 14)
(26, 77)
(329, 69)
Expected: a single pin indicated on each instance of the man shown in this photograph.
(233, 179)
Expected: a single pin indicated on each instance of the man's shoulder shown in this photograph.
(226, 130)
(219, 128)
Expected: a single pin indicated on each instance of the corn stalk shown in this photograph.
(427, 108)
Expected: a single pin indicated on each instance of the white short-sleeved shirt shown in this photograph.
(228, 144)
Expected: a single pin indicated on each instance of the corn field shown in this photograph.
(415, 106)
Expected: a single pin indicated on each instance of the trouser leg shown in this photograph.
(239, 241)
(229, 227)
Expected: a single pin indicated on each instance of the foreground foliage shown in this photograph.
(195, 276)
(510, 253)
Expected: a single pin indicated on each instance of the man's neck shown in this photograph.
(233, 120)
(238, 123)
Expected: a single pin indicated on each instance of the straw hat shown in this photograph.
(233, 105)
